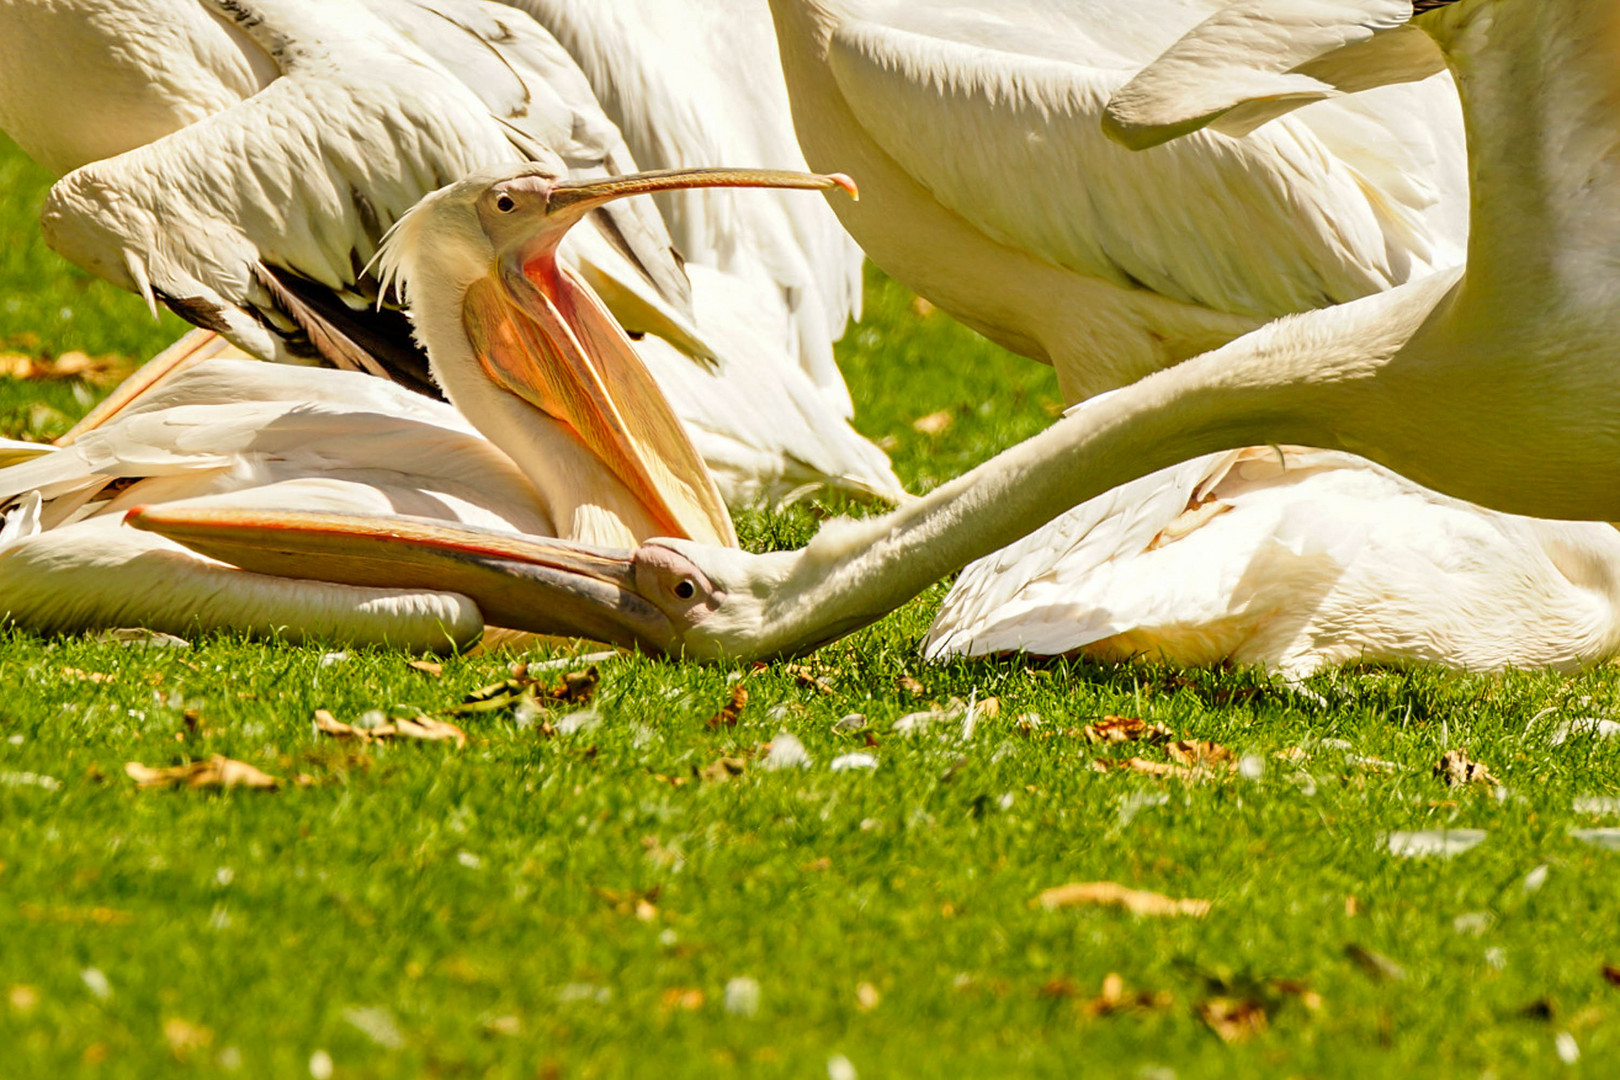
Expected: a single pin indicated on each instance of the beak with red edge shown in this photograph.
(541, 585)
(541, 334)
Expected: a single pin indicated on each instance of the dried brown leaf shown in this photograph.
(807, 678)
(1112, 894)
(1117, 729)
(933, 424)
(731, 710)
(184, 1037)
(1233, 1019)
(1611, 974)
(683, 997)
(217, 772)
(89, 676)
(1114, 998)
(429, 730)
(1152, 768)
(722, 769)
(431, 668)
(907, 684)
(1197, 752)
(1375, 964)
(1456, 768)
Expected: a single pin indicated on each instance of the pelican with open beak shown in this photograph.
(526, 351)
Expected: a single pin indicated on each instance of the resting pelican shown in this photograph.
(253, 153)
(1497, 384)
(1293, 559)
(592, 451)
(975, 131)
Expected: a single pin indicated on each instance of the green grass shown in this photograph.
(475, 910)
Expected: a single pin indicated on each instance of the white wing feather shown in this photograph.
(1266, 225)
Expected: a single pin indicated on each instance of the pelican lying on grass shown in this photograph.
(580, 442)
(239, 162)
(1498, 385)
(1293, 559)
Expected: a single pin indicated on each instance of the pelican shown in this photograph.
(1494, 384)
(1292, 559)
(253, 153)
(588, 448)
(990, 188)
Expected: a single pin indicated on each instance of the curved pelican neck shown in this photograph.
(1309, 380)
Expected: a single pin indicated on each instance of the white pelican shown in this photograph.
(592, 451)
(277, 139)
(1293, 559)
(974, 129)
(1497, 384)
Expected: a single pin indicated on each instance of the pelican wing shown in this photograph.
(1259, 59)
(995, 109)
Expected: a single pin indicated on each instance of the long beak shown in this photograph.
(541, 333)
(520, 582)
(579, 197)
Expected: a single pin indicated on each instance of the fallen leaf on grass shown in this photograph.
(722, 769)
(1197, 752)
(643, 905)
(1233, 1019)
(1115, 999)
(1377, 965)
(576, 688)
(932, 424)
(1292, 753)
(1152, 768)
(683, 997)
(908, 685)
(805, 677)
(1456, 768)
(139, 636)
(429, 668)
(105, 370)
(1112, 894)
(1611, 974)
(184, 1037)
(731, 711)
(1116, 729)
(217, 772)
(424, 728)
(89, 676)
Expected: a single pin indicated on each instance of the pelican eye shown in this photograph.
(685, 590)
(505, 203)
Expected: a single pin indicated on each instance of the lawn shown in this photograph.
(628, 889)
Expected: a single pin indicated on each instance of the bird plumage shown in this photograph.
(1294, 559)
(975, 131)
